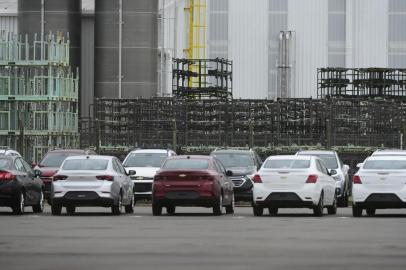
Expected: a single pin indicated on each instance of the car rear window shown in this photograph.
(287, 164)
(235, 160)
(86, 164)
(329, 160)
(385, 165)
(5, 164)
(56, 159)
(145, 160)
(185, 164)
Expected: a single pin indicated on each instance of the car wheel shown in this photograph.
(371, 211)
(218, 207)
(273, 211)
(258, 210)
(70, 210)
(332, 210)
(39, 208)
(19, 204)
(129, 209)
(56, 209)
(116, 209)
(170, 210)
(356, 211)
(318, 209)
(230, 208)
(156, 209)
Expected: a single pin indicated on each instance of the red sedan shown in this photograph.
(192, 181)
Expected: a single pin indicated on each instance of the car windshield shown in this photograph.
(145, 160)
(55, 159)
(287, 164)
(329, 160)
(231, 160)
(385, 165)
(5, 164)
(86, 164)
(186, 164)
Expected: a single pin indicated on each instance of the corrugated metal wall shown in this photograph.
(248, 47)
(397, 34)
(309, 19)
(87, 64)
(9, 23)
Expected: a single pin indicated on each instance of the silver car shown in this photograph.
(92, 181)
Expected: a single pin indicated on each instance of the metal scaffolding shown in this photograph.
(38, 95)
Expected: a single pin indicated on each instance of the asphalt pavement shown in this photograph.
(194, 239)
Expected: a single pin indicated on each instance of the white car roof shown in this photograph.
(154, 151)
(293, 157)
(386, 158)
(387, 152)
(315, 152)
(90, 157)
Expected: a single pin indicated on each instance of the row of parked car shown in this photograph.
(309, 179)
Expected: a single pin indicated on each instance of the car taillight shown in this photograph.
(206, 178)
(257, 179)
(59, 177)
(311, 179)
(7, 176)
(356, 179)
(105, 177)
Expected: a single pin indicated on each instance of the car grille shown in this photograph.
(141, 178)
(81, 195)
(142, 187)
(237, 181)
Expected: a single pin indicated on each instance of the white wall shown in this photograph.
(8, 23)
(248, 42)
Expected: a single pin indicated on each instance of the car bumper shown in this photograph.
(9, 193)
(84, 198)
(185, 198)
(381, 201)
(285, 200)
(142, 189)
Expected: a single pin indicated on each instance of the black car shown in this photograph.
(243, 164)
(20, 185)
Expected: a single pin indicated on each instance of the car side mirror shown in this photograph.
(346, 167)
(132, 172)
(359, 165)
(37, 173)
(33, 165)
(229, 173)
(333, 172)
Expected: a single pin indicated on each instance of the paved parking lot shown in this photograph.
(194, 239)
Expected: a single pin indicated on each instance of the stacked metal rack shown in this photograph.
(170, 122)
(38, 95)
(202, 78)
(361, 82)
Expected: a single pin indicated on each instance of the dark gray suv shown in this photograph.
(244, 164)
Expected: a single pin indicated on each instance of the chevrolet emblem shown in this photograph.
(140, 178)
(182, 175)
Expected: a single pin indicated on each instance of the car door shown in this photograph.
(37, 184)
(26, 181)
(127, 183)
(328, 182)
(226, 182)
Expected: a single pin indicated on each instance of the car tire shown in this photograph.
(19, 204)
(170, 210)
(318, 209)
(230, 208)
(371, 212)
(39, 207)
(218, 207)
(356, 211)
(156, 209)
(332, 210)
(273, 211)
(56, 209)
(116, 209)
(70, 210)
(129, 209)
(258, 210)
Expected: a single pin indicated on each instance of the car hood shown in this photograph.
(237, 171)
(143, 171)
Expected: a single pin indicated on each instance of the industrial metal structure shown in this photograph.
(38, 95)
(361, 82)
(126, 48)
(173, 122)
(202, 78)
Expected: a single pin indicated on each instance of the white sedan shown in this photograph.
(380, 183)
(92, 181)
(294, 182)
